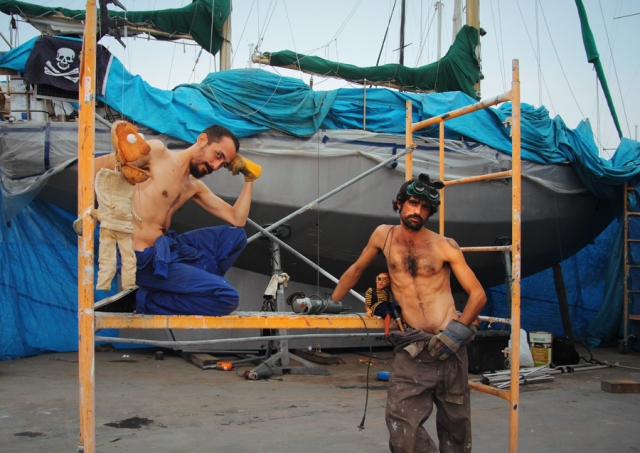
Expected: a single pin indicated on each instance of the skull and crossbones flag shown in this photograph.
(56, 61)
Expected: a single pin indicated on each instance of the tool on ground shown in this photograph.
(224, 366)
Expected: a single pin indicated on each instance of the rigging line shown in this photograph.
(386, 32)
(426, 37)
(295, 49)
(267, 19)
(615, 69)
(504, 59)
(493, 17)
(343, 26)
(171, 66)
(242, 34)
(537, 58)
(544, 17)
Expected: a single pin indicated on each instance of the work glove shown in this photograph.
(249, 169)
(129, 146)
(448, 341)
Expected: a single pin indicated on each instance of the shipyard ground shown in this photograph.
(147, 405)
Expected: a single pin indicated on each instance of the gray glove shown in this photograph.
(448, 341)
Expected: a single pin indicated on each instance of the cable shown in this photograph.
(560, 63)
(538, 57)
(366, 401)
(615, 70)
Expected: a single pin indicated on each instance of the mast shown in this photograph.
(439, 8)
(473, 20)
(402, 19)
(225, 49)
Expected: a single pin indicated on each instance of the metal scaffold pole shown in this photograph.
(86, 145)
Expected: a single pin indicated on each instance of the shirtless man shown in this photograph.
(184, 274)
(430, 359)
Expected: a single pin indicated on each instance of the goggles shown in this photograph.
(424, 188)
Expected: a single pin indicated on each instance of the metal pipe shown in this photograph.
(86, 313)
(302, 257)
(165, 343)
(505, 394)
(516, 257)
(408, 141)
(490, 248)
(502, 174)
(463, 111)
(329, 194)
(442, 203)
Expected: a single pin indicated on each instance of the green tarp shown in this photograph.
(195, 19)
(458, 70)
(594, 57)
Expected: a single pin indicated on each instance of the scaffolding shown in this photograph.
(512, 394)
(89, 321)
(631, 217)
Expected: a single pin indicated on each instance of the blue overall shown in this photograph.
(183, 274)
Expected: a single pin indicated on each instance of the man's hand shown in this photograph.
(447, 342)
(249, 169)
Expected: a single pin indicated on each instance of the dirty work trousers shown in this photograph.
(415, 385)
(184, 274)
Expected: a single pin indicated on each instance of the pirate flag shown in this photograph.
(56, 62)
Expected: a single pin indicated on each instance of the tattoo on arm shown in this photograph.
(453, 243)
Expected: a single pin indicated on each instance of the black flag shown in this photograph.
(56, 62)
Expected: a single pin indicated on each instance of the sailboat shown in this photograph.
(307, 152)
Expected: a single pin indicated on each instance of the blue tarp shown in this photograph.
(249, 101)
(39, 283)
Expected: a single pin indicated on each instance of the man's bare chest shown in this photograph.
(417, 259)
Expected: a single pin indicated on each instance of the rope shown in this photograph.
(615, 69)
(498, 44)
(538, 57)
(559, 62)
(242, 34)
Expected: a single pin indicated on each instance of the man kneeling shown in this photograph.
(184, 274)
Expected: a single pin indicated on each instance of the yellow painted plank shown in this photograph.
(237, 320)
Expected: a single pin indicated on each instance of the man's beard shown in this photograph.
(416, 225)
(197, 170)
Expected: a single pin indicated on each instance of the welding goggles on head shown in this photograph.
(423, 187)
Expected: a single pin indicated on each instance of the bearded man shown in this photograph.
(183, 274)
(430, 357)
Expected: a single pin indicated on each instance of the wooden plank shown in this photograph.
(203, 360)
(237, 320)
(634, 317)
(620, 386)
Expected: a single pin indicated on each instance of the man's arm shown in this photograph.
(236, 215)
(352, 275)
(468, 281)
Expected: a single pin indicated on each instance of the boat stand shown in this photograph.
(280, 362)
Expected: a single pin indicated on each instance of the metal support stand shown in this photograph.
(279, 363)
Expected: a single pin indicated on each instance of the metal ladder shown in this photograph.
(630, 294)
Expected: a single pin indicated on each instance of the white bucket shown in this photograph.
(541, 347)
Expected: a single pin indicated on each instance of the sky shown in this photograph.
(544, 35)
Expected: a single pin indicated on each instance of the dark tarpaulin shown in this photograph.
(458, 70)
(196, 19)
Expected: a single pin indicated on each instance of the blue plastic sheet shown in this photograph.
(39, 283)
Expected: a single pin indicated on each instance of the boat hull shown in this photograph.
(332, 234)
